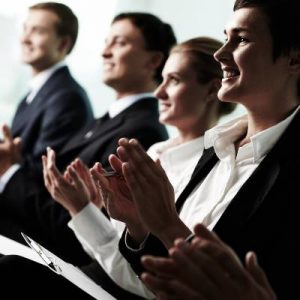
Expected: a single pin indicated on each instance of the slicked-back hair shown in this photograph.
(285, 32)
(68, 22)
(200, 51)
(158, 36)
(283, 18)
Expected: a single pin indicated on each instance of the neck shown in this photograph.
(128, 91)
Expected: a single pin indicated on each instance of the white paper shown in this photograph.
(69, 271)
(11, 247)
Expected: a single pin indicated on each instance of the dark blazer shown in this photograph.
(100, 138)
(26, 202)
(56, 113)
(263, 216)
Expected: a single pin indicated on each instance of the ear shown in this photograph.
(155, 60)
(213, 88)
(294, 63)
(65, 44)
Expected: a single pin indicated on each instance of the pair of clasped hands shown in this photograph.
(10, 150)
(140, 195)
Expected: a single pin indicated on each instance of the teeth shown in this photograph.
(229, 74)
(107, 66)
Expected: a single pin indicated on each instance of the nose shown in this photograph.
(106, 51)
(224, 53)
(160, 92)
(25, 37)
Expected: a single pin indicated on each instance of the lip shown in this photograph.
(164, 107)
(230, 73)
(107, 66)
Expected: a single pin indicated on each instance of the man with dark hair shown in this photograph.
(46, 116)
(131, 58)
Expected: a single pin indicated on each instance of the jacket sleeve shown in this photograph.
(151, 246)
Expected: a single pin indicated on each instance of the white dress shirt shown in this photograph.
(37, 82)
(179, 161)
(204, 205)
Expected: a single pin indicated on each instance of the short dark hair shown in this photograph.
(68, 22)
(285, 33)
(284, 26)
(158, 36)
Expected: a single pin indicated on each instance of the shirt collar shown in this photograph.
(222, 137)
(181, 151)
(40, 79)
(121, 104)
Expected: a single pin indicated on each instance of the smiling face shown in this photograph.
(125, 59)
(250, 75)
(41, 46)
(182, 99)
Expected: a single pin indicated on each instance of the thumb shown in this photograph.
(17, 142)
(256, 271)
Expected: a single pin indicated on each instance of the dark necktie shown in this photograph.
(95, 125)
(203, 167)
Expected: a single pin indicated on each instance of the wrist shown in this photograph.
(137, 232)
(174, 230)
(76, 208)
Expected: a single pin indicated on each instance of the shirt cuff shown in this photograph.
(91, 224)
(131, 245)
(5, 178)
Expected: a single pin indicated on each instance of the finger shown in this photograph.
(169, 289)
(159, 265)
(51, 157)
(47, 181)
(256, 271)
(115, 163)
(7, 133)
(194, 270)
(202, 232)
(78, 183)
(219, 263)
(18, 143)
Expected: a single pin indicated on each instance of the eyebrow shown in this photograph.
(237, 30)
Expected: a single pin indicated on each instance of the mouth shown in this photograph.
(164, 106)
(230, 73)
(107, 66)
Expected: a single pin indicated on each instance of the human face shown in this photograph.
(41, 46)
(182, 99)
(125, 59)
(250, 75)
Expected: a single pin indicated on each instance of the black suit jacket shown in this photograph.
(100, 138)
(56, 113)
(27, 205)
(263, 216)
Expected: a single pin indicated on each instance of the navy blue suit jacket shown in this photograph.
(57, 112)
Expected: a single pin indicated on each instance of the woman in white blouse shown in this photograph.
(188, 101)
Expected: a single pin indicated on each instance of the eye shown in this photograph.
(173, 80)
(242, 39)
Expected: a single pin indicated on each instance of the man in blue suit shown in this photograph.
(57, 106)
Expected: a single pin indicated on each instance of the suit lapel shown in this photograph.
(249, 198)
(255, 190)
(105, 126)
(25, 111)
